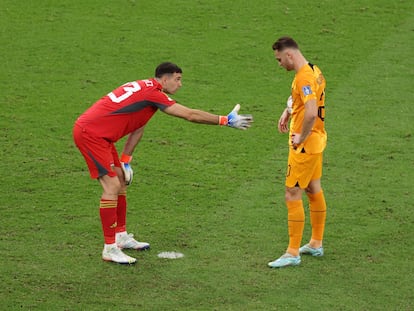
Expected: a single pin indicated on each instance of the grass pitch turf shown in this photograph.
(214, 194)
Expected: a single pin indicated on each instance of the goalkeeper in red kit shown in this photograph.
(126, 111)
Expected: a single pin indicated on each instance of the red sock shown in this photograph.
(121, 212)
(107, 211)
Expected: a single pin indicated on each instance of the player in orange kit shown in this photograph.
(307, 140)
(125, 111)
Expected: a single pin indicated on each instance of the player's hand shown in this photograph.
(283, 123)
(127, 169)
(296, 140)
(239, 121)
(128, 173)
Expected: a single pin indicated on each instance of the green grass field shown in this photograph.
(214, 194)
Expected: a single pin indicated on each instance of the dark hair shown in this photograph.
(166, 68)
(284, 43)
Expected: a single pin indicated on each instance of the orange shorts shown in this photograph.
(100, 155)
(302, 168)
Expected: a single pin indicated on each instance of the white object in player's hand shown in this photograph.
(171, 255)
(289, 104)
(128, 172)
(239, 121)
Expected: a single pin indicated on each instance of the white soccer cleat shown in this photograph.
(127, 241)
(113, 253)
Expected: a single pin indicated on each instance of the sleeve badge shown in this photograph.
(306, 90)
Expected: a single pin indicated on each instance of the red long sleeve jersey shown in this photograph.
(127, 108)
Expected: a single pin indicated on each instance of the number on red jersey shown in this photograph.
(128, 89)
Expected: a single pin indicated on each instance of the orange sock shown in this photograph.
(317, 207)
(121, 212)
(107, 211)
(296, 223)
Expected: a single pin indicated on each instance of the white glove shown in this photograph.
(239, 121)
(128, 173)
(126, 168)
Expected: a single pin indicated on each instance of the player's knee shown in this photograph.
(293, 194)
(314, 187)
(111, 185)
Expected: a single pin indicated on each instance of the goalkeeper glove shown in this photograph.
(239, 121)
(126, 168)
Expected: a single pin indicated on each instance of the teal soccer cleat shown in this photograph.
(284, 261)
(307, 250)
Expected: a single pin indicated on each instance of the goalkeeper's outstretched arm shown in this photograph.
(233, 119)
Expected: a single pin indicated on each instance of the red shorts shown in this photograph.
(100, 155)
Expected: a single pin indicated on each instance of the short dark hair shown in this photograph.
(284, 43)
(166, 68)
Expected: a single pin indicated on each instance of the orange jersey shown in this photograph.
(309, 83)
